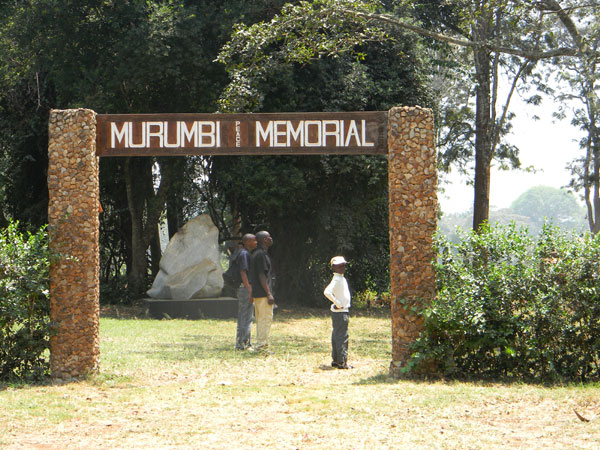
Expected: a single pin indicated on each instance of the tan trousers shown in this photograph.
(264, 318)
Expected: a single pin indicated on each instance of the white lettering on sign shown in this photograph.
(312, 133)
(158, 126)
(120, 135)
(352, 133)
(165, 135)
(207, 134)
(317, 127)
(238, 134)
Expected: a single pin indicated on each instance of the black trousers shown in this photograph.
(339, 337)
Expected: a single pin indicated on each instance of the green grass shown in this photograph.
(180, 384)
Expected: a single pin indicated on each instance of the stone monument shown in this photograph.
(190, 280)
(190, 267)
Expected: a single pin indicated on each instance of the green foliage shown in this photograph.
(576, 98)
(543, 203)
(299, 34)
(24, 303)
(157, 56)
(512, 306)
(112, 292)
(531, 210)
(314, 56)
(450, 225)
(133, 56)
(370, 298)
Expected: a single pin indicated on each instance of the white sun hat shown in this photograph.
(337, 260)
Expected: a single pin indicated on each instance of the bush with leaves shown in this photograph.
(24, 304)
(509, 305)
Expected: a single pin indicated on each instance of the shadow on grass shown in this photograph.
(28, 384)
(18, 384)
(106, 379)
(202, 346)
(381, 378)
(386, 378)
(283, 312)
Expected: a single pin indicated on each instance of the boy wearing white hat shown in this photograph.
(339, 294)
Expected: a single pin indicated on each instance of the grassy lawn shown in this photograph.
(180, 384)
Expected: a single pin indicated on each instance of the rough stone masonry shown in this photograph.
(73, 190)
(412, 179)
(74, 226)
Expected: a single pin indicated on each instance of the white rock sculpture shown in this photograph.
(190, 266)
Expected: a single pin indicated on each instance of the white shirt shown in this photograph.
(338, 292)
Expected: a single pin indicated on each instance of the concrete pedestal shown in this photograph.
(217, 308)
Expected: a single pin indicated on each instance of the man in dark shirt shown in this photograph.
(260, 279)
(239, 266)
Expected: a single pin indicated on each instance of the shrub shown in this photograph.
(512, 306)
(371, 299)
(24, 304)
(114, 292)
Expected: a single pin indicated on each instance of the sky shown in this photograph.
(546, 144)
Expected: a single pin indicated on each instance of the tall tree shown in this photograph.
(511, 34)
(577, 97)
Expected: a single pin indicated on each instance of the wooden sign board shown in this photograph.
(241, 134)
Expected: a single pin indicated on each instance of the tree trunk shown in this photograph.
(594, 211)
(145, 209)
(174, 212)
(155, 253)
(136, 277)
(594, 139)
(175, 201)
(483, 135)
(591, 183)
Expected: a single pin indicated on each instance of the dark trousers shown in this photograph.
(245, 317)
(339, 337)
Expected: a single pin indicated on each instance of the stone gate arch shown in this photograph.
(405, 134)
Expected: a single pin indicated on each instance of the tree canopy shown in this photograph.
(326, 205)
(158, 56)
(153, 56)
(508, 37)
(544, 203)
(112, 57)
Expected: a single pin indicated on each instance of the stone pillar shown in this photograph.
(73, 209)
(412, 223)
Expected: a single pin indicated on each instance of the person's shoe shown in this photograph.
(344, 366)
